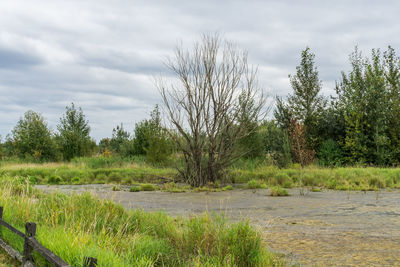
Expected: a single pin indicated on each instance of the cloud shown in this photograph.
(103, 55)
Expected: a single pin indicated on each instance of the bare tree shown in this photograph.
(215, 84)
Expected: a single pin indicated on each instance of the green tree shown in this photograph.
(283, 114)
(74, 133)
(330, 154)
(151, 140)
(306, 104)
(363, 100)
(119, 139)
(392, 77)
(32, 138)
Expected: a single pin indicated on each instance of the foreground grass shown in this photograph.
(131, 172)
(6, 260)
(74, 226)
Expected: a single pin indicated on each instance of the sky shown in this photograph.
(103, 55)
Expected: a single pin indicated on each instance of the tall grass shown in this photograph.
(74, 226)
(346, 178)
(84, 172)
(129, 171)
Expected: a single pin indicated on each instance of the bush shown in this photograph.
(116, 188)
(54, 179)
(278, 191)
(134, 189)
(330, 154)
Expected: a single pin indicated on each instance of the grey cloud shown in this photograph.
(10, 59)
(102, 55)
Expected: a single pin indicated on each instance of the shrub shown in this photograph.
(54, 179)
(147, 187)
(330, 154)
(134, 189)
(116, 188)
(278, 191)
(75, 180)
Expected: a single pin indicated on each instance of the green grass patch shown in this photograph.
(74, 226)
(278, 191)
(254, 173)
(226, 188)
(147, 187)
(256, 184)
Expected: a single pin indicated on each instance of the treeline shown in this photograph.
(360, 125)
(32, 140)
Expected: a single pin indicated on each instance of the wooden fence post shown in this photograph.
(30, 231)
(89, 262)
(1, 217)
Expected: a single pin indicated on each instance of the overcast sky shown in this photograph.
(102, 54)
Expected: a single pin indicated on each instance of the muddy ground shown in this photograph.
(331, 228)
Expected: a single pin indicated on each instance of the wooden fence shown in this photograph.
(31, 244)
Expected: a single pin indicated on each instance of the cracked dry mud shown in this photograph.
(332, 228)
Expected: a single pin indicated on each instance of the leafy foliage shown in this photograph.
(32, 138)
(330, 154)
(368, 98)
(151, 139)
(74, 133)
(306, 105)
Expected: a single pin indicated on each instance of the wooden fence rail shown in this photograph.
(31, 244)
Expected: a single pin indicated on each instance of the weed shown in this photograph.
(228, 187)
(116, 188)
(278, 191)
(256, 184)
(134, 189)
(173, 188)
(147, 187)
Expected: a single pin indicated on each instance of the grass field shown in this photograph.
(6, 261)
(136, 171)
(74, 226)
